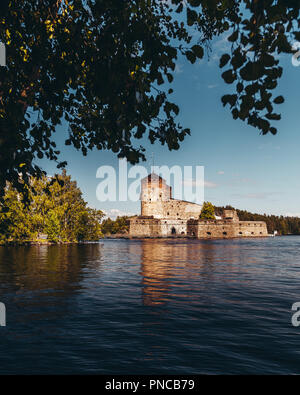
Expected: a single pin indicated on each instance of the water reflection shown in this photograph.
(47, 267)
(37, 282)
(150, 307)
(168, 267)
(183, 267)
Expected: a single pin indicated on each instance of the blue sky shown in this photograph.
(242, 168)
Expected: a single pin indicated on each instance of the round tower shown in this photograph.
(154, 190)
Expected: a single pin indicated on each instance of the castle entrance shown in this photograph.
(173, 231)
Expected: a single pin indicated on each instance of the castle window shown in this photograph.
(241, 233)
(224, 233)
(252, 233)
(168, 213)
(208, 233)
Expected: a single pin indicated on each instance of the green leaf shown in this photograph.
(191, 56)
(198, 51)
(192, 17)
(279, 100)
(274, 117)
(234, 36)
(229, 77)
(224, 60)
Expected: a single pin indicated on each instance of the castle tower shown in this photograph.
(154, 190)
(230, 215)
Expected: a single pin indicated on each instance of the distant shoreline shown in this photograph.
(178, 237)
(43, 243)
(128, 237)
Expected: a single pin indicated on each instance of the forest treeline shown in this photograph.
(54, 210)
(283, 225)
(118, 226)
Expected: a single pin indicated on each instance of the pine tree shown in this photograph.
(208, 211)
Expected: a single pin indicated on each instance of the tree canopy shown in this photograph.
(55, 208)
(105, 68)
(208, 211)
(118, 226)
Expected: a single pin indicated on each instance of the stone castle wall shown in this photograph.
(162, 216)
(222, 229)
(171, 209)
(201, 229)
(153, 227)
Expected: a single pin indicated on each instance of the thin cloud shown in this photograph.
(209, 184)
(269, 146)
(219, 48)
(199, 183)
(259, 195)
(114, 213)
(179, 68)
(241, 181)
(292, 215)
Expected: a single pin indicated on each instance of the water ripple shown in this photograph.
(151, 307)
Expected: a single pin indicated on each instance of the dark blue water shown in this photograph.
(151, 307)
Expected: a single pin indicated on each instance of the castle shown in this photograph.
(163, 216)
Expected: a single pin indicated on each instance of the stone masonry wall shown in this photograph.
(224, 229)
(144, 227)
(152, 227)
(154, 188)
(209, 229)
(172, 209)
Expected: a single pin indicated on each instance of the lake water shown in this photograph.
(151, 307)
